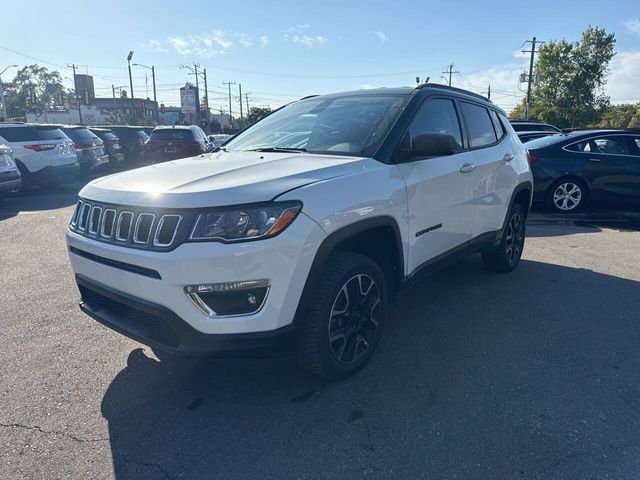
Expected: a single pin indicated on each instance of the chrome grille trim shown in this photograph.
(147, 228)
(103, 224)
(83, 218)
(142, 216)
(119, 237)
(94, 226)
(156, 242)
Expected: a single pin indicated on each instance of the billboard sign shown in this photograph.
(189, 99)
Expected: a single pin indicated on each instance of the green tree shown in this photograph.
(572, 76)
(35, 81)
(256, 114)
(621, 116)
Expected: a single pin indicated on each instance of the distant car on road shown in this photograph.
(176, 141)
(219, 138)
(111, 145)
(44, 155)
(89, 147)
(132, 140)
(570, 169)
(10, 178)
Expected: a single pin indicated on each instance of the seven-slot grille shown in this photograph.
(127, 226)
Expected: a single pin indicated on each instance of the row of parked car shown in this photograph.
(46, 155)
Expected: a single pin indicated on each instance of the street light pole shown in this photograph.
(75, 91)
(133, 103)
(3, 110)
(153, 78)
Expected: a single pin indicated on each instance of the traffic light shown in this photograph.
(162, 107)
(60, 99)
(33, 98)
(87, 97)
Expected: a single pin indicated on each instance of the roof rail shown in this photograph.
(454, 89)
(309, 96)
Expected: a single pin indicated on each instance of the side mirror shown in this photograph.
(434, 145)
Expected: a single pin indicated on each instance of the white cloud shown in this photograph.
(264, 40)
(381, 36)
(155, 46)
(204, 44)
(622, 85)
(244, 39)
(503, 81)
(633, 25)
(297, 34)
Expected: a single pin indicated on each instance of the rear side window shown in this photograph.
(497, 124)
(479, 125)
(141, 134)
(19, 134)
(171, 134)
(437, 115)
(612, 145)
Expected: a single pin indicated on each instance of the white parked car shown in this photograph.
(44, 155)
(10, 178)
(219, 138)
(265, 244)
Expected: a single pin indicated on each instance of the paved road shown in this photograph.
(532, 375)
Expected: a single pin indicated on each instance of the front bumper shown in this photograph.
(160, 328)
(160, 278)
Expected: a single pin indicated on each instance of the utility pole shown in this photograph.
(533, 52)
(230, 114)
(240, 97)
(75, 92)
(450, 71)
(246, 97)
(133, 103)
(489, 92)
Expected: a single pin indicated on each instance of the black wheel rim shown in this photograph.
(355, 319)
(514, 239)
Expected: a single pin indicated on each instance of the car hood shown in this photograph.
(220, 178)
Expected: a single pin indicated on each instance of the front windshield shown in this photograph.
(345, 125)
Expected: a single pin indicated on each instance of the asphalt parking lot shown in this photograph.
(535, 374)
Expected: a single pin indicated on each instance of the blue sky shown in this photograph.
(281, 50)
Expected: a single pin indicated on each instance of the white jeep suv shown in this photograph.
(297, 233)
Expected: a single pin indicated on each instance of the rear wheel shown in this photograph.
(506, 256)
(566, 195)
(345, 317)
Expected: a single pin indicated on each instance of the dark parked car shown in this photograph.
(89, 147)
(570, 169)
(10, 178)
(132, 140)
(111, 145)
(527, 130)
(170, 143)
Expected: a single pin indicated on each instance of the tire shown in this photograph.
(506, 256)
(26, 181)
(344, 318)
(566, 195)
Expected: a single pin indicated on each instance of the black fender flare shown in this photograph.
(527, 185)
(334, 239)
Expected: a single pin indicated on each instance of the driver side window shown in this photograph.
(437, 115)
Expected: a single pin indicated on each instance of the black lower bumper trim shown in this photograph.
(159, 327)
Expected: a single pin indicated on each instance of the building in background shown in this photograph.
(102, 111)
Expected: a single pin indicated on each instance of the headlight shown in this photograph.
(249, 222)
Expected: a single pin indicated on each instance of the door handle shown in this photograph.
(595, 160)
(467, 168)
(508, 157)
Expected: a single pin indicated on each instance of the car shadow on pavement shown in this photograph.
(478, 375)
(40, 200)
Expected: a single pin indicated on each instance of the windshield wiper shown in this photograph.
(278, 150)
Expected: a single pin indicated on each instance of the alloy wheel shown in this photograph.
(514, 239)
(567, 196)
(354, 319)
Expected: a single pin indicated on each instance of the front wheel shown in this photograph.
(345, 317)
(506, 256)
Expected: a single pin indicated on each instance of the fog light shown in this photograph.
(229, 298)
